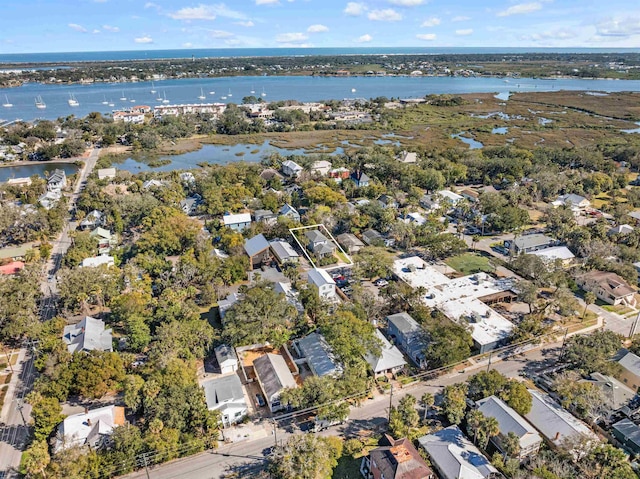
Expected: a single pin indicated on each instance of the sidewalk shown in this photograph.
(8, 397)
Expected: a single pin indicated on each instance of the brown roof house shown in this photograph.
(609, 287)
(397, 459)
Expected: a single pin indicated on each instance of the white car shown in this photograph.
(381, 282)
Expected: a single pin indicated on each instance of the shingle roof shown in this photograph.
(319, 277)
(319, 354)
(255, 245)
(400, 460)
(223, 389)
(631, 363)
(454, 455)
(349, 240)
(88, 335)
(509, 420)
(274, 374)
(224, 353)
(629, 430)
(609, 282)
(315, 236)
(390, 357)
(532, 241)
(617, 393)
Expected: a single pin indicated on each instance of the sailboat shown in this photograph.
(159, 97)
(253, 90)
(7, 103)
(123, 98)
(165, 98)
(353, 90)
(263, 93)
(229, 94)
(212, 93)
(111, 103)
(202, 96)
(132, 100)
(105, 102)
(153, 88)
(40, 104)
(72, 100)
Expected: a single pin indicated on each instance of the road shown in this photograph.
(247, 456)
(14, 432)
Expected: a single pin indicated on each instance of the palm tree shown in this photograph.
(510, 445)
(474, 422)
(427, 401)
(489, 428)
(589, 298)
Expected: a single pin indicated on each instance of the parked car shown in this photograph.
(260, 400)
(381, 282)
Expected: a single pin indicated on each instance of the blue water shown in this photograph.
(473, 144)
(25, 171)
(303, 88)
(272, 52)
(501, 130)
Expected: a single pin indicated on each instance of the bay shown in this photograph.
(25, 171)
(302, 88)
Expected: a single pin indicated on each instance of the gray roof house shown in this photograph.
(387, 201)
(87, 335)
(628, 433)
(408, 335)
(350, 242)
(265, 216)
(630, 370)
(226, 358)
(257, 248)
(555, 423)
(284, 252)
(290, 212)
(190, 205)
(319, 244)
(94, 218)
(273, 375)
(617, 394)
(455, 457)
(529, 243)
(372, 237)
(390, 359)
(318, 355)
(291, 168)
(57, 180)
(293, 297)
(106, 173)
(360, 178)
(225, 394)
(510, 421)
(572, 200)
(225, 304)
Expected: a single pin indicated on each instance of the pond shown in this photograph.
(634, 130)
(473, 144)
(502, 130)
(27, 170)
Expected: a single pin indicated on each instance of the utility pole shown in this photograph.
(489, 363)
(564, 340)
(390, 403)
(275, 432)
(146, 468)
(634, 326)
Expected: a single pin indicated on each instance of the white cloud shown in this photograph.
(407, 3)
(152, 5)
(386, 15)
(295, 37)
(619, 27)
(77, 28)
(426, 36)
(355, 9)
(464, 32)
(95, 31)
(109, 28)
(460, 18)
(247, 24)
(267, 2)
(551, 35)
(220, 34)
(206, 12)
(431, 22)
(187, 45)
(144, 39)
(318, 28)
(364, 38)
(521, 9)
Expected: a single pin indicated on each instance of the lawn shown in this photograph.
(469, 263)
(347, 468)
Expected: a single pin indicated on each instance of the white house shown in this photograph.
(572, 201)
(49, 199)
(94, 218)
(106, 173)
(227, 359)
(90, 428)
(324, 282)
(321, 167)
(225, 394)
(390, 359)
(237, 222)
(97, 261)
(291, 168)
(87, 335)
(408, 157)
(57, 180)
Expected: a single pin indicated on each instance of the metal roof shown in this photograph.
(283, 250)
(255, 245)
(274, 374)
(509, 421)
(223, 389)
(631, 363)
(319, 277)
(403, 322)
(87, 335)
(629, 430)
(390, 357)
(318, 354)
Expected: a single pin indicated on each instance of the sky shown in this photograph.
(30, 26)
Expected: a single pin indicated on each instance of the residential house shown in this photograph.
(57, 180)
(530, 243)
(237, 222)
(106, 173)
(628, 433)
(93, 219)
(269, 174)
(190, 204)
(360, 178)
(396, 459)
(274, 376)
(350, 242)
(187, 178)
(97, 261)
(387, 201)
(106, 240)
(470, 195)
(321, 167)
(291, 168)
(265, 216)
(318, 355)
(408, 157)
(510, 421)
(91, 428)
(405, 332)
(555, 253)
(630, 374)
(290, 212)
(50, 199)
(225, 304)
(12, 268)
(293, 297)
(572, 201)
(319, 244)
(128, 117)
(454, 457)
(16, 253)
(441, 199)
(620, 230)
(555, 424)
(615, 393)
(415, 219)
(389, 361)
(226, 358)
(339, 174)
(373, 238)
(324, 282)
(258, 250)
(608, 287)
(283, 252)
(153, 184)
(87, 335)
(225, 394)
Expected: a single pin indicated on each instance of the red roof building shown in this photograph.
(11, 268)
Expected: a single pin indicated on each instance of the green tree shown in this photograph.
(404, 418)
(516, 395)
(510, 445)
(36, 458)
(589, 298)
(373, 261)
(474, 423)
(427, 401)
(605, 460)
(454, 402)
(46, 414)
(350, 337)
(450, 343)
(589, 353)
(304, 456)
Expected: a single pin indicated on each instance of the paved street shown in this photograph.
(13, 430)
